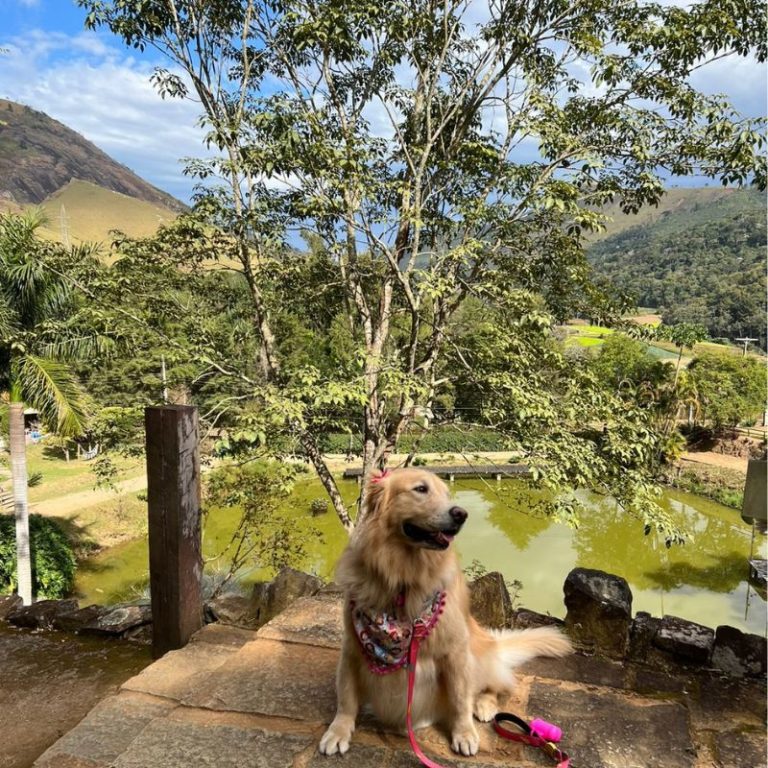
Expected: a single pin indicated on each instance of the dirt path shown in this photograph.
(64, 506)
(716, 460)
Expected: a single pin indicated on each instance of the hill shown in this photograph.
(84, 212)
(680, 208)
(39, 156)
(700, 259)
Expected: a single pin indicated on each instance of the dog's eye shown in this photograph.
(421, 488)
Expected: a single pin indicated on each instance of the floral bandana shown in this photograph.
(385, 637)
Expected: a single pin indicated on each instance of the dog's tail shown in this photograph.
(498, 651)
(516, 646)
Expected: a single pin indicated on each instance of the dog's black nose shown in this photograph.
(458, 514)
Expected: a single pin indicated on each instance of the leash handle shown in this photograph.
(530, 737)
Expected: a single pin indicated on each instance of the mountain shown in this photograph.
(699, 257)
(39, 156)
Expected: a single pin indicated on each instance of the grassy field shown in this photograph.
(586, 335)
(91, 212)
(60, 477)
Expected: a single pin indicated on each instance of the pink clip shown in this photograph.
(378, 478)
(546, 730)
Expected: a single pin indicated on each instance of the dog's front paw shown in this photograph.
(337, 737)
(465, 740)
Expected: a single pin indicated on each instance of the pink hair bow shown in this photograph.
(384, 473)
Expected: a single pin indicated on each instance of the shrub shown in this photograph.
(53, 561)
(318, 507)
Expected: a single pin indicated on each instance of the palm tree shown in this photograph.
(36, 342)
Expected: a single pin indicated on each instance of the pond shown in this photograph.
(704, 580)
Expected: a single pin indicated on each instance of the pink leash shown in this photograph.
(529, 735)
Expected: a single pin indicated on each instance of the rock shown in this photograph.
(77, 620)
(119, 619)
(736, 749)
(686, 640)
(140, 635)
(641, 636)
(272, 597)
(599, 610)
(739, 654)
(232, 609)
(42, 614)
(8, 604)
(490, 602)
(525, 619)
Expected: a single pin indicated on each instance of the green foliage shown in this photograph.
(683, 335)
(318, 506)
(105, 471)
(624, 363)
(730, 388)
(439, 255)
(449, 438)
(43, 327)
(722, 486)
(709, 273)
(265, 537)
(53, 561)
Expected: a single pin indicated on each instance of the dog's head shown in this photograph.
(416, 507)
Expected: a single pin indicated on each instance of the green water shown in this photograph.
(705, 580)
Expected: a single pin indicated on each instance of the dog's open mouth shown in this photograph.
(439, 539)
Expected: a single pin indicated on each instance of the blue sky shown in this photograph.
(92, 83)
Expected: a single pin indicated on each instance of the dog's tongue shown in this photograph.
(444, 538)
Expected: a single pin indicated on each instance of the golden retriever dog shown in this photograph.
(398, 566)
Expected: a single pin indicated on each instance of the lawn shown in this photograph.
(61, 477)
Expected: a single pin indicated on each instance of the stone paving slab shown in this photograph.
(224, 635)
(179, 674)
(167, 742)
(272, 678)
(607, 730)
(107, 731)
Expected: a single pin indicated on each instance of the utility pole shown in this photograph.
(64, 224)
(746, 340)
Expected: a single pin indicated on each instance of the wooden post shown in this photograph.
(173, 496)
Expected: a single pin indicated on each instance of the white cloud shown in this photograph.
(744, 81)
(107, 97)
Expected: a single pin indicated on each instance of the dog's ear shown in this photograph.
(375, 492)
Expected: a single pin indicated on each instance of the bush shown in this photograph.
(53, 561)
(440, 439)
(318, 507)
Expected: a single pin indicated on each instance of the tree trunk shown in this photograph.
(326, 478)
(20, 501)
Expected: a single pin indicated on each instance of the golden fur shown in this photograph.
(462, 667)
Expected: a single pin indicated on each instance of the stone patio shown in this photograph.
(236, 698)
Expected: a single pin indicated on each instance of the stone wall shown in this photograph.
(599, 620)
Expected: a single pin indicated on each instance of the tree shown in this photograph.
(731, 388)
(38, 336)
(437, 151)
(683, 336)
(624, 362)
